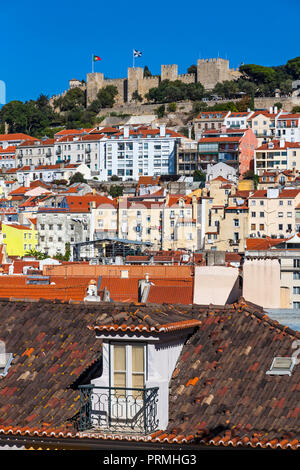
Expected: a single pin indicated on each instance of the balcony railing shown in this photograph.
(117, 409)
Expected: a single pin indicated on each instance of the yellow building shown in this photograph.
(19, 239)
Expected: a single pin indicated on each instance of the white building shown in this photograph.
(130, 154)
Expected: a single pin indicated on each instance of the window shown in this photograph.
(296, 290)
(236, 222)
(281, 203)
(128, 366)
(253, 226)
(253, 214)
(280, 226)
(280, 214)
(297, 263)
(261, 214)
(289, 203)
(261, 203)
(282, 366)
(261, 227)
(289, 214)
(296, 276)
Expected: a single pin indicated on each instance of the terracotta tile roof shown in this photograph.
(262, 243)
(219, 393)
(207, 140)
(9, 149)
(283, 194)
(14, 137)
(276, 145)
(149, 320)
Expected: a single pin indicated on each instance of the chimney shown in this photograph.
(126, 131)
(275, 110)
(271, 110)
(282, 143)
(162, 130)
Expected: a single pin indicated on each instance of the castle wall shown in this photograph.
(119, 83)
(147, 83)
(187, 78)
(209, 73)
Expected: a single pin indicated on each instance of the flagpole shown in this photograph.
(133, 58)
(92, 63)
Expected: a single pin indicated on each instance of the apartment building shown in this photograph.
(288, 127)
(14, 139)
(238, 120)
(225, 214)
(181, 223)
(7, 157)
(277, 155)
(50, 173)
(270, 179)
(78, 150)
(263, 124)
(130, 153)
(209, 120)
(272, 212)
(37, 152)
(287, 252)
(187, 158)
(236, 151)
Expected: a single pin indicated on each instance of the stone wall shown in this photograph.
(287, 102)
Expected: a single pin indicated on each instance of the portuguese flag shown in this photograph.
(95, 58)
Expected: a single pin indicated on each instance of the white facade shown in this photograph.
(135, 156)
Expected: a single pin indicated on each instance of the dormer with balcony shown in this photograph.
(140, 348)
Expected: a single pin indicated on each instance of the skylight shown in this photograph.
(282, 366)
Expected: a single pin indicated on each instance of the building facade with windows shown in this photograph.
(273, 212)
(277, 155)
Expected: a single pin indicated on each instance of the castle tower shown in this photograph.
(134, 81)
(94, 82)
(169, 72)
(212, 71)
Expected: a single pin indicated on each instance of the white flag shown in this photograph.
(136, 53)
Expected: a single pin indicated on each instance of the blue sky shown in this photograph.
(44, 44)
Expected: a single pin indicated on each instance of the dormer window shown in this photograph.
(5, 359)
(140, 349)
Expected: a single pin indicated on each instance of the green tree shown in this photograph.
(192, 69)
(77, 178)
(293, 67)
(160, 111)
(106, 96)
(136, 96)
(147, 72)
(116, 191)
(172, 107)
(198, 175)
(39, 255)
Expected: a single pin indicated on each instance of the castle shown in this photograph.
(208, 72)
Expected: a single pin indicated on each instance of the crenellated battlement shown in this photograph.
(209, 72)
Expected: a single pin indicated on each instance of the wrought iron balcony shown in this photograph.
(117, 409)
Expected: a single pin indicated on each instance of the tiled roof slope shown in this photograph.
(219, 393)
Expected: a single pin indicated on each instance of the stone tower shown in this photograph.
(135, 78)
(212, 71)
(94, 81)
(169, 72)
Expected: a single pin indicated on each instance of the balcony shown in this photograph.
(117, 409)
(234, 242)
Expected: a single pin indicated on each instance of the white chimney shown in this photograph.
(162, 131)
(126, 131)
(275, 110)
(271, 110)
(272, 193)
(282, 143)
